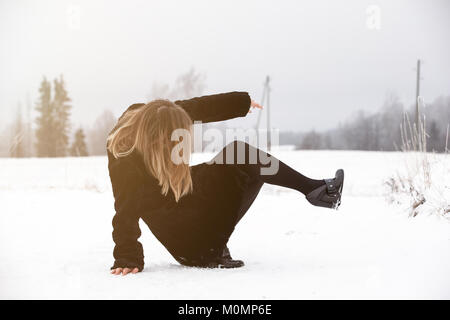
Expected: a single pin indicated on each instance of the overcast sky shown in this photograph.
(326, 58)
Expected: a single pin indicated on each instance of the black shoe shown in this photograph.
(225, 261)
(221, 259)
(328, 195)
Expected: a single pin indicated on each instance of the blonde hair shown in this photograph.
(149, 129)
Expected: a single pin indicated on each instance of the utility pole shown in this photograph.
(417, 95)
(266, 95)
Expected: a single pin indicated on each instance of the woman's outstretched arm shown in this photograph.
(217, 107)
(128, 252)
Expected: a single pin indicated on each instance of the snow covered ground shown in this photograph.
(55, 238)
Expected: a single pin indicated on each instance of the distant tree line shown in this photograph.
(379, 131)
(51, 135)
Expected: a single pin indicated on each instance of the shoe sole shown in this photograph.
(339, 176)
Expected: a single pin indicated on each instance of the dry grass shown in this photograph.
(422, 185)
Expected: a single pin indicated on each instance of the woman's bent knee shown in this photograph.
(240, 152)
(237, 143)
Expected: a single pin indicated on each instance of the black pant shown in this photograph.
(252, 160)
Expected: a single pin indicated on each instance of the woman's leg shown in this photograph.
(249, 197)
(253, 161)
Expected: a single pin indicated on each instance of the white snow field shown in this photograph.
(55, 238)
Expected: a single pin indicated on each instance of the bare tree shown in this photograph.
(312, 140)
(4, 141)
(187, 85)
(160, 91)
(16, 148)
(104, 123)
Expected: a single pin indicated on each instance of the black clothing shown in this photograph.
(199, 224)
(196, 229)
(241, 154)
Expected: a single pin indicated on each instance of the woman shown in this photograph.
(192, 210)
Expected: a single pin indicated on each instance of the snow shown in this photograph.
(422, 185)
(55, 238)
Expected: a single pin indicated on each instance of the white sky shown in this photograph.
(324, 61)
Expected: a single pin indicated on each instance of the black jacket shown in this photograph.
(199, 223)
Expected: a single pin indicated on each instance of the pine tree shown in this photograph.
(44, 131)
(78, 148)
(61, 109)
(53, 120)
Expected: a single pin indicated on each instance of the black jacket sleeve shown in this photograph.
(125, 179)
(217, 107)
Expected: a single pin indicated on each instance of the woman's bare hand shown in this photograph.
(124, 271)
(254, 104)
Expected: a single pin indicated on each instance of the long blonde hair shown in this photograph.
(148, 129)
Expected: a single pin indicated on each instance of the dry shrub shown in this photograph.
(422, 186)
